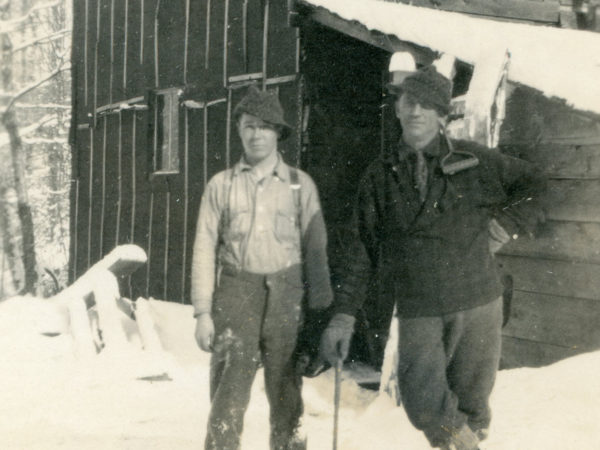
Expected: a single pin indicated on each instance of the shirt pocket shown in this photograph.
(286, 230)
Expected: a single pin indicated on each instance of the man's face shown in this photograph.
(418, 122)
(259, 138)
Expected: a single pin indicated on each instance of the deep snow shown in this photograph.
(51, 400)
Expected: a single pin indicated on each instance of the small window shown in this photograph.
(165, 130)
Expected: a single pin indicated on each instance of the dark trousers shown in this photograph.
(256, 319)
(447, 368)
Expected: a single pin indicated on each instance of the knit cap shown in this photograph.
(266, 106)
(430, 88)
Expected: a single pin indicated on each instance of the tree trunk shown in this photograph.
(7, 286)
(24, 209)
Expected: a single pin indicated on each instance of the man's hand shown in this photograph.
(498, 236)
(335, 341)
(205, 332)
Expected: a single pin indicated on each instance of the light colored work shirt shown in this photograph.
(249, 222)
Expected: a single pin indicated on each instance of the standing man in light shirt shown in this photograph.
(260, 244)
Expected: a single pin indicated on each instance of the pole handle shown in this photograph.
(336, 400)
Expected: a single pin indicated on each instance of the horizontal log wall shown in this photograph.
(210, 49)
(556, 303)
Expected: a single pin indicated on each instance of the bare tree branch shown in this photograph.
(49, 37)
(9, 25)
(33, 86)
(26, 131)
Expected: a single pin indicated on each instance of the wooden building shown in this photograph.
(154, 84)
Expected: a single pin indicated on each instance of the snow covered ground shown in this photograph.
(117, 400)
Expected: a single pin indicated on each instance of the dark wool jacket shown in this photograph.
(434, 257)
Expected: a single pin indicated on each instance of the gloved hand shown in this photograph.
(335, 341)
(205, 332)
(498, 236)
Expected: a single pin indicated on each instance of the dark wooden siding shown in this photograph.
(211, 49)
(556, 304)
(122, 50)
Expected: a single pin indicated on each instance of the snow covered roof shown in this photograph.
(558, 62)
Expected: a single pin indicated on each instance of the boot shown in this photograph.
(463, 439)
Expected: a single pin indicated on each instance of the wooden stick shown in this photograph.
(336, 401)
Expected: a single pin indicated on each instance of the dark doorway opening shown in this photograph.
(345, 114)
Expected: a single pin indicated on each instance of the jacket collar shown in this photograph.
(399, 151)
(432, 149)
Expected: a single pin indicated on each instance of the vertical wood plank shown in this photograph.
(134, 180)
(96, 43)
(186, 200)
(90, 199)
(81, 226)
(103, 188)
(156, 39)
(134, 78)
(125, 45)
(98, 192)
(79, 74)
(207, 36)
(149, 244)
(103, 54)
(142, 36)
(171, 53)
(265, 42)
(111, 51)
(86, 38)
(205, 145)
(225, 41)
(215, 46)
(157, 243)
(197, 32)
(228, 129)
(120, 38)
(254, 36)
(141, 198)
(119, 177)
(75, 232)
(165, 270)
(186, 41)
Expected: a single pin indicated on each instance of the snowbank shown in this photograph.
(559, 62)
(122, 400)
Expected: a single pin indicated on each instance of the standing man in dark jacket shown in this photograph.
(260, 239)
(430, 234)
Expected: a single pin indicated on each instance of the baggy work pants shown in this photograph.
(447, 369)
(256, 318)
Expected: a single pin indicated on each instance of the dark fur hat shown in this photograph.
(266, 106)
(430, 88)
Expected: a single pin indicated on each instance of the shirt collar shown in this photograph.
(280, 170)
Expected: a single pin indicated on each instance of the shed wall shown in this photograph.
(210, 49)
(556, 303)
